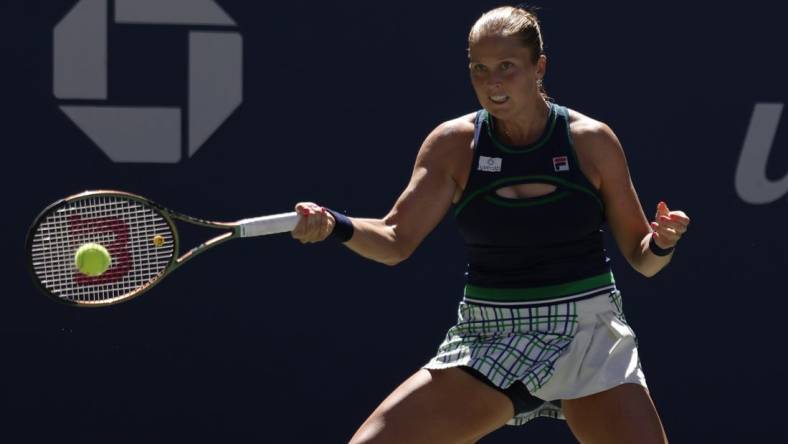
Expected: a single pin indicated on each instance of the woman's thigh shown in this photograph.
(623, 414)
(436, 407)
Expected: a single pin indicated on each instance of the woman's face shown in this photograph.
(503, 74)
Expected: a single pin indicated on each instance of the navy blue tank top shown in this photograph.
(536, 249)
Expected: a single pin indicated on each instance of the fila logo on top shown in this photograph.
(149, 134)
(560, 163)
(751, 182)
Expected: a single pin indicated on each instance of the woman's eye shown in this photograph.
(506, 65)
(478, 68)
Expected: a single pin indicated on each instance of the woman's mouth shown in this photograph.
(499, 99)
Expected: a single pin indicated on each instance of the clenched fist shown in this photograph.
(315, 224)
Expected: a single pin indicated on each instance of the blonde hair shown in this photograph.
(507, 21)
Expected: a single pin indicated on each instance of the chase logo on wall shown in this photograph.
(150, 134)
(752, 184)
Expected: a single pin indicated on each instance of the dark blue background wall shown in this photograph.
(267, 340)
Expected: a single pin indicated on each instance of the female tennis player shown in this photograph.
(540, 330)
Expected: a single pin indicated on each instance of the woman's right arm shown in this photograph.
(417, 211)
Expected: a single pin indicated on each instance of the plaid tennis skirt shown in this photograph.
(562, 350)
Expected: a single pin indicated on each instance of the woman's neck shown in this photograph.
(525, 127)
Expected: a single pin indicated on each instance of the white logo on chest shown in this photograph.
(491, 164)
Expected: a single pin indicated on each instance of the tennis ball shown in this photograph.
(158, 240)
(92, 259)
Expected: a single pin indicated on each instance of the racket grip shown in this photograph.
(275, 223)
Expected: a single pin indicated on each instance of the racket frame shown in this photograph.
(169, 217)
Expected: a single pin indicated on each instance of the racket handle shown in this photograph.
(275, 223)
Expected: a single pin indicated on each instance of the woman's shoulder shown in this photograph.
(461, 126)
(589, 132)
(449, 145)
(599, 150)
(455, 133)
(582, 124)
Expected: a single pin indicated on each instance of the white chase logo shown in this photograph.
(491, 164)
(752, 183)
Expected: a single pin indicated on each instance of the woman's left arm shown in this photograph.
(632, 231)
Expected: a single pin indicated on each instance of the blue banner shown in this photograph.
(225, 110)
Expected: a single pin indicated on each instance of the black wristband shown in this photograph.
(343, 228)
(657, 250)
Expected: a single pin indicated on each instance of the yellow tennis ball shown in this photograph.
(92, 259)
(158, 240)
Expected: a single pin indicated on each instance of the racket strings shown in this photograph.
(124, 226)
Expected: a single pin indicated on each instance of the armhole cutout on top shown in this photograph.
(477, 129)
(477, 125)
(573, 153)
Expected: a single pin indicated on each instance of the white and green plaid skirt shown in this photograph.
(561, 350)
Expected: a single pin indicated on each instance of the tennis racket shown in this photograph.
(139, 235)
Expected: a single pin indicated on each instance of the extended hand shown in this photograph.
(668, 226)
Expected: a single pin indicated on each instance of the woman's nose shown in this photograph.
(493, 83)
(494, 80)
